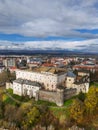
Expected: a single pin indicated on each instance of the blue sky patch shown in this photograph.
(92, 31)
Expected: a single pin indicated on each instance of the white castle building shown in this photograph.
(29, 82)
(50, 78)
(79, 81)
(25, 87)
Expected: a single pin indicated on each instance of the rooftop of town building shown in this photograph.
(50, 70)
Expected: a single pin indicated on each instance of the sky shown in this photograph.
(49, 24)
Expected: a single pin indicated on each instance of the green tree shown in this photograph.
(7, 76)
(10, 76)
(81, 96)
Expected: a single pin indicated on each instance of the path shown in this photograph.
(9, 95)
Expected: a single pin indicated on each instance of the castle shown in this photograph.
(50, 84)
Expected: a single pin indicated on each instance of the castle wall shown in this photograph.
(56, 97)
(68, 93)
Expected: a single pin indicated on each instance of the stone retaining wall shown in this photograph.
(57, 97)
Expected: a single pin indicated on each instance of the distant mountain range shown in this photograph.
(47, 51)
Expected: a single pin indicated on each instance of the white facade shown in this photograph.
(84, 87)
(70, 81)
(25, 89)
(30, 90)
(49, 80)
(17, 88)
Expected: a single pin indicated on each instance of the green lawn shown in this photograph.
(40, 102)
(68, 102)
(21, 98)
(61, 113)
(8, 100)
(10, 91)
(17, 97)
(94, 84)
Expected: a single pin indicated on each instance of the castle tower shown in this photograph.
(60, 97)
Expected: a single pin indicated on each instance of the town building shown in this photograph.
(91, 68)
(2, 68)
(9, 62)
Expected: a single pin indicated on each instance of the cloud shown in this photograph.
(42, 18)
(86, 45)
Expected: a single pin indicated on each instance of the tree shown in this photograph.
(32, 117)
(47, 118)
(21, 115)
(91, 100)
(81, 96)
(77, 111)
(3, 77)
(10, 114)
(6, 76)
(10, 76)
(1, 106)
